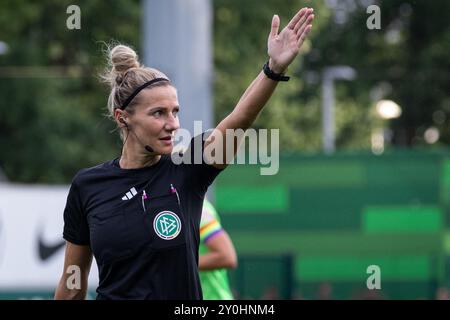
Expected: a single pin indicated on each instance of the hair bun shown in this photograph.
(124, 74)
(121, 59)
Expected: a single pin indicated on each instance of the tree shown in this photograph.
(52, 112)
(52, 108)
(408, 57)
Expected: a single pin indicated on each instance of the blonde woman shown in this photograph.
(139, 214)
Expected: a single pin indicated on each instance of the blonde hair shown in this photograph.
(124, 75)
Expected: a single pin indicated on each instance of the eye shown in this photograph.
(175, 112)
(157, 113)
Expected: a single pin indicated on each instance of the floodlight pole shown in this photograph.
(177, 39)
(329, 75)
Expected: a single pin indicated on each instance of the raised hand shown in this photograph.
(283, 47)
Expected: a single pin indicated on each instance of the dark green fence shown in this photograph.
(336, 215)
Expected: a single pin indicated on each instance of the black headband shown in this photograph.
(135, 93)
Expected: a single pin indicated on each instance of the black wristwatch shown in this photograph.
(272, 75)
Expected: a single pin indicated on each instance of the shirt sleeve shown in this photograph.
(76, 228)
(198, 171)
(209, 225)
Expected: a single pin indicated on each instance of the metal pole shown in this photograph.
(328, 136)
(177, 40)
(330, 74)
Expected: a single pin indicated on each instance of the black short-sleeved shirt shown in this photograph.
(142, 226)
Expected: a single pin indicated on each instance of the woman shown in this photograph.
(139, 215)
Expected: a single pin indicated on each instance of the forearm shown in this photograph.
(242, 117)
(250, 88)
(64, 293)
(215, 260)
(252, 102)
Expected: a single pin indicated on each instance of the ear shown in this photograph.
(119, 115)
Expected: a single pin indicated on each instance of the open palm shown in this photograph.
(283, 47)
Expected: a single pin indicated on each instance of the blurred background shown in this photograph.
(364, 174)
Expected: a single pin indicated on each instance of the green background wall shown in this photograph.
(333, 216)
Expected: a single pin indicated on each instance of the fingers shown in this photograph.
(305, 24)
(296, 18)
(303, 36)
(302, 20)
(275, 26)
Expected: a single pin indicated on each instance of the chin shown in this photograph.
(165, 150)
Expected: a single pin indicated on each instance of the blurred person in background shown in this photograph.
(325, 291)
(139, 214)
(442, 294)
(270, 293)
(217, 254)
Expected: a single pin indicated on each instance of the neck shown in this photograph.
(137, 159)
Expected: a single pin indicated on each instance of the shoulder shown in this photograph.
(196, 145)
(86, 174)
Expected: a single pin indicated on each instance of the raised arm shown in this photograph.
(282, 48)
(74, 280)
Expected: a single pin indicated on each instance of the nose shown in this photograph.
(172, 123)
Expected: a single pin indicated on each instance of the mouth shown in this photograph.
(167, 141)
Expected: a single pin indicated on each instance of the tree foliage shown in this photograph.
(52, 112)
(52, 108)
